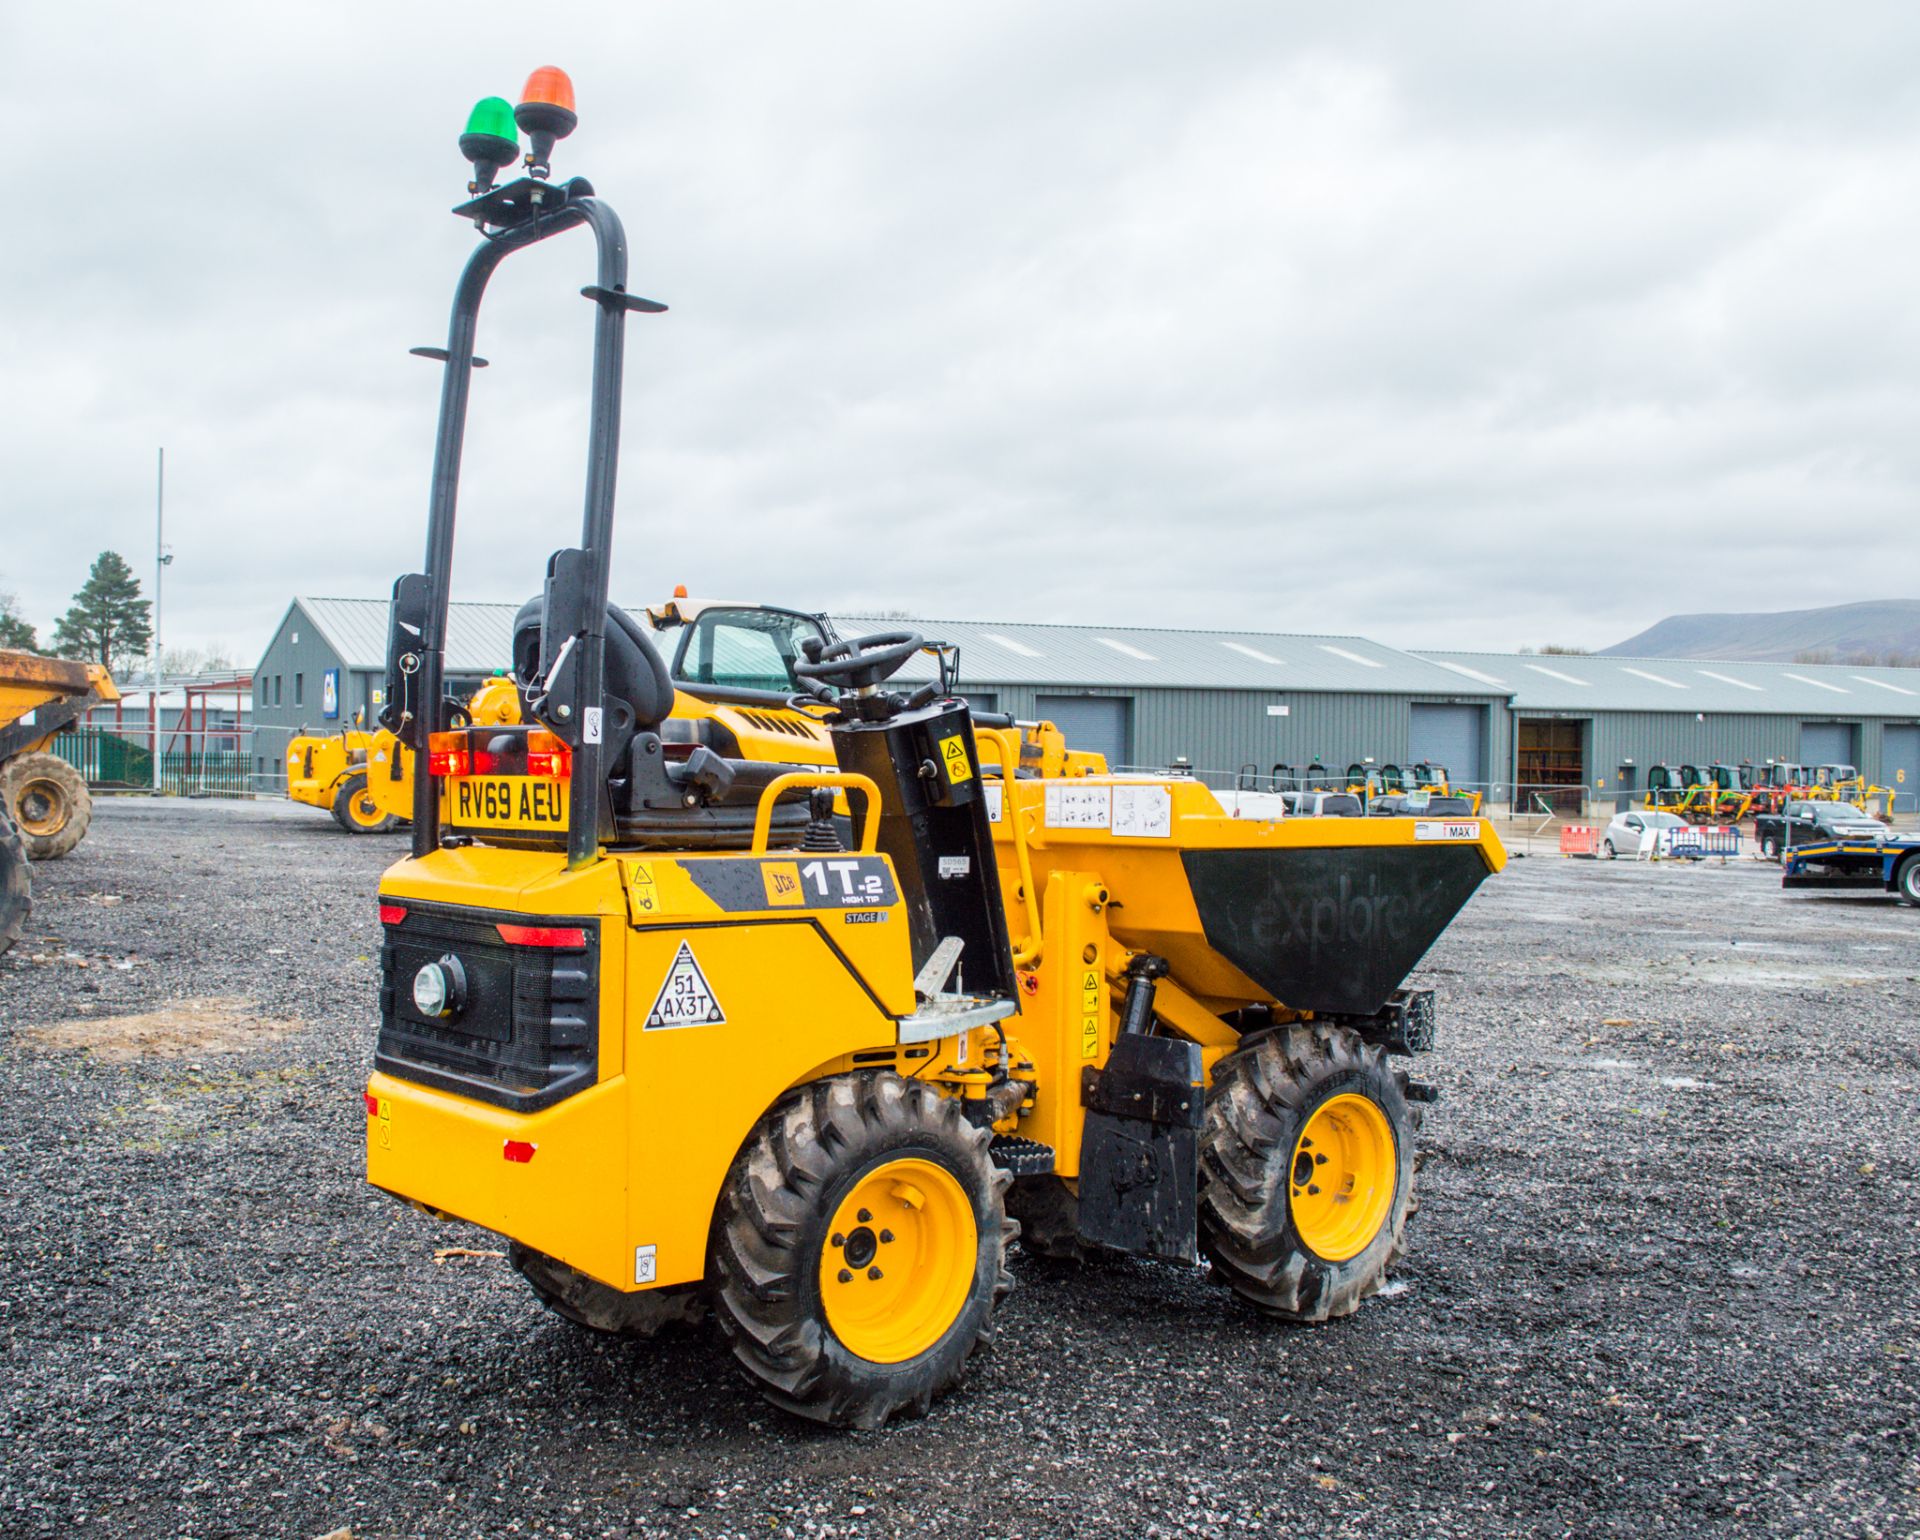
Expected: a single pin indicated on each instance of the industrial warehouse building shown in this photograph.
(1601, 722)
(1577, 730)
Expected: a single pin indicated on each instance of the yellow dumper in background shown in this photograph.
(44, 805)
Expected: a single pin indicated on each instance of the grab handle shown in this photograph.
(792, 779)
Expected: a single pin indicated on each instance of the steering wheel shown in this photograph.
(860, 662)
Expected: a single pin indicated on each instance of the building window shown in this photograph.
(260, 763)
(299, 689)
(276, 767)
(276, 691)
(263, 689)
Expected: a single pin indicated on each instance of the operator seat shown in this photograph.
(712, 800)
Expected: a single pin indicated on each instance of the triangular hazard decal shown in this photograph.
(685, 998)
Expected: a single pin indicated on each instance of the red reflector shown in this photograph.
(542, 935)
(519, 1151)
(373, 1104)
(392, 914)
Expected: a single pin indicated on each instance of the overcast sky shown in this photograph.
(1463, 325)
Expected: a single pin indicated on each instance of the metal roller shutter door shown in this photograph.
(1094, 723)
(1900, 766)
(1826, 743)
(1450, 736)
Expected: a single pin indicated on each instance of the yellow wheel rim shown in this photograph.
(899, 1260)
(1342, 1180)
(40, 807)
(363, 810)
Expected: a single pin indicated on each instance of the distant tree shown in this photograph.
(175, 661)
(15, 631)
(108, 623)
(1814, 655)
(1554, 650)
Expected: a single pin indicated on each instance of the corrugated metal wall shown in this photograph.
(1223, 730)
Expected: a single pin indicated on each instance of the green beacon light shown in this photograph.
(491, 141)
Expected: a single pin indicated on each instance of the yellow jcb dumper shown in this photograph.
(645, 1013)
(44, 804)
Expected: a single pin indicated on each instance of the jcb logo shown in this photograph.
(782, 879)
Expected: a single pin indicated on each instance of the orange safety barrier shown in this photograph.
(1579, 840)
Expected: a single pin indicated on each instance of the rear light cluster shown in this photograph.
(537, 753)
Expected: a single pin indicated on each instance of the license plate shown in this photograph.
(521, 802)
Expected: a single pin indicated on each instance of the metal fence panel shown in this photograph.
(219, 767)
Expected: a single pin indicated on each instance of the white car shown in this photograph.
(1633, 833)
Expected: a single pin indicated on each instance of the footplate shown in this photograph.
(1021, 1157)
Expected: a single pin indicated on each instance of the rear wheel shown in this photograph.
(15, 883)
(1306, 1172)
(356, 811)
(1906, 881)
(859, 1249)
(1769, 847)
(49, 802)
(587, 1302)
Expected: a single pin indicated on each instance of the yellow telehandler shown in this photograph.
(691, 1042)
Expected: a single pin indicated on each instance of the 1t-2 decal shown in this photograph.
(844, 882)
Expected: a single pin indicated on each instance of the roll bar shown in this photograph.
(511, 218)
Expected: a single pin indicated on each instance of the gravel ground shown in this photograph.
(1665, 1277)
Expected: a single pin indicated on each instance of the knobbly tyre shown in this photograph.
(700, 1044)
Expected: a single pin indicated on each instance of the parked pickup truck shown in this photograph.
(1804, 823)
(1890, 863)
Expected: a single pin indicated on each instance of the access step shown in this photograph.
(1020, 1157)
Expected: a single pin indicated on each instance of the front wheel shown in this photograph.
(49, 801)
(1906, 881)
(1612, 854)
(859, 1249)
(1306, 1172)
(356, 812)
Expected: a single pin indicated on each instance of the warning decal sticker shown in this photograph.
(642, 892)
(685, 998)
(954, 752)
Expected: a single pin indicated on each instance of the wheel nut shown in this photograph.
(839, 1239)
(1312, 1190)
(865, 1217)
(886, 1237)
(874, 1274)
(845, 1276)
(1319, 1160)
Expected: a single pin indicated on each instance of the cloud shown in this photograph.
(1466, 327)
